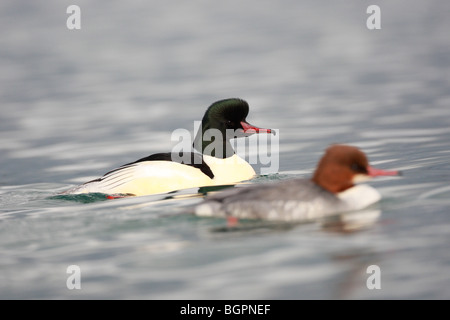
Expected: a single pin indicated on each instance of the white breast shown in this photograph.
(360, 196)
(229, 170)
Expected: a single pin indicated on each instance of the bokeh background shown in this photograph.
(77, 103)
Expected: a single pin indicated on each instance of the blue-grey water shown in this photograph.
(77, 103)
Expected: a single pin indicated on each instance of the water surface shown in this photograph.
(76, 104)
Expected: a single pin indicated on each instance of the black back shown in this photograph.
(188, 158)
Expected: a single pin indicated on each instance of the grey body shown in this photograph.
(290, 200)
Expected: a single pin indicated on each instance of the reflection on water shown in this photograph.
(351, 221)
(342, 223)
(75, 104)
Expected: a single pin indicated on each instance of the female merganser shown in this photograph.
(331, 190)
(217, 164)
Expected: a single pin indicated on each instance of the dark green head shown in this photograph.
(225, 114)
(228, 117)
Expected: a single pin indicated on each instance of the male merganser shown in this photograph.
(217, 164)
(331, 190)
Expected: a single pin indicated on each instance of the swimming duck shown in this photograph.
(212, 162)
(332, 189)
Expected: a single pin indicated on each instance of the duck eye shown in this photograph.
(229, 124)
(358, 168)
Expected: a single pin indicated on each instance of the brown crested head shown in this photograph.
(338, 167)
(342, 166)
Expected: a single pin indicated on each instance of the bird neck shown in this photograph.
(213, 142)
